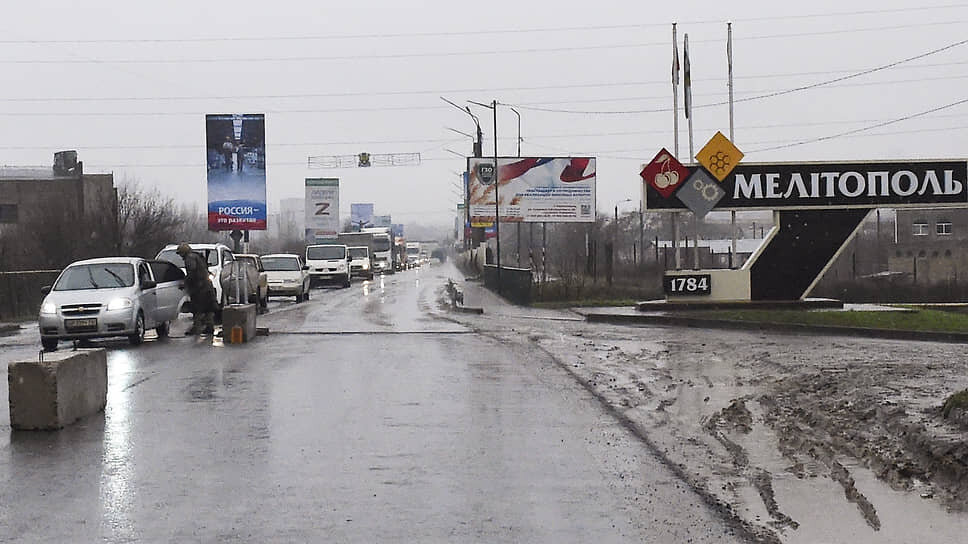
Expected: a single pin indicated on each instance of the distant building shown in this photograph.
(930, 245)
(60, 189)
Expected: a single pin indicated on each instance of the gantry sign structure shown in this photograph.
(818, 207)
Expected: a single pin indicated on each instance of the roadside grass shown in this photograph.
(919, 320)
(957, 401)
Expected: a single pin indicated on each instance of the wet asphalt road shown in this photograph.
(363, 417)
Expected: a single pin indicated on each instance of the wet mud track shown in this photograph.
(800, 438)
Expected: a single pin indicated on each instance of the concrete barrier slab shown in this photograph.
(242, 315)
(54, 393)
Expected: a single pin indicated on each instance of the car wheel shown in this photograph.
(306, 293)
(50, 344)
(139, 331)
(163, 330)
(347, 281)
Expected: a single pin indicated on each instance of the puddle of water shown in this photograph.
(818, 503)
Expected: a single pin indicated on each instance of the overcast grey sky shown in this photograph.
(127, 84)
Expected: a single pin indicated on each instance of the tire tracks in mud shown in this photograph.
(743, 528)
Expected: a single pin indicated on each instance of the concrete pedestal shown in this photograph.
(54, 393)
(242, 315)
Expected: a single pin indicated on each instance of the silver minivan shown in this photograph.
(111, 296)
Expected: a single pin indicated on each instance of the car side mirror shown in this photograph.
(149, 284)
(45, 289)
(305, 267)
(348, 258)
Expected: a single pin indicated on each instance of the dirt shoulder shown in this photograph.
(805, 438)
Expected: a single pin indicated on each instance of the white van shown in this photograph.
(360, 261)
(328, 263)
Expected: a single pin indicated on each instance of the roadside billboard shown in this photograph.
(361, 215)
(322, 208)
(532, 189)
(381, 221)
(236, 162)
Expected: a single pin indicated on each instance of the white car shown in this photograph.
(328, 263)
(111, 296)
(286, 275)
(217, 256)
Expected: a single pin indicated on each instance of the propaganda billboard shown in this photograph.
(532, 189)
(322, 208)
(361, 215)
(236, 162)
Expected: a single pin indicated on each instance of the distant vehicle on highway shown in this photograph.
(287, 275)
(360, 261)
(413, 254)
(328, 263)
(111, 296)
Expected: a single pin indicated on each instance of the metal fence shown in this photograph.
(20, 295)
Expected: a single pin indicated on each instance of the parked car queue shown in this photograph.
(128, 296)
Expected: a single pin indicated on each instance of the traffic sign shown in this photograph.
(719, 156)
(664, 174)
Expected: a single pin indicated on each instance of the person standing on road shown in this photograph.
(200, 290)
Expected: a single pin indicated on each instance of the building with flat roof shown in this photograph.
(61, 189)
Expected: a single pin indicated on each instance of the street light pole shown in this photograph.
(518, 224)
(497, 199)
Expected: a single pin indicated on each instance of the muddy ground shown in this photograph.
(804, 438)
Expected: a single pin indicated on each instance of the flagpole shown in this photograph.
(675, 130)
(729, 63)
(692, 156)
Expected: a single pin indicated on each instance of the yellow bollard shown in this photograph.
(236, 336)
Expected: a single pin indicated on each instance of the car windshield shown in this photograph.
(413, 251)
(317, 253)
(279, 264)
(211, 256)
(96, 276)
(358, 252)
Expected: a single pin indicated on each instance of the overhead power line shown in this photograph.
(480, 31)
(437, 92)
(442, 54)
(862, 129)
(757, 97)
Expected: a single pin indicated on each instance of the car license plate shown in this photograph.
(80, 323)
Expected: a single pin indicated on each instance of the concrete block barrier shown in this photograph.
(53, 393)
(241, 315)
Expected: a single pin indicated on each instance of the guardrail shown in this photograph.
(20, 295)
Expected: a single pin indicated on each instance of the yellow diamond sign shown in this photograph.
(719, 156)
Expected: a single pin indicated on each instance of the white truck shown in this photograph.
(413, 254)
(381, 250)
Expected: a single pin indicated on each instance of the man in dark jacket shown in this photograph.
(200, 290)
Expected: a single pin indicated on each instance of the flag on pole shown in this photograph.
(675, 62)
(686, 76)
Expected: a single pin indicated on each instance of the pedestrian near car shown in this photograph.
(200, 290)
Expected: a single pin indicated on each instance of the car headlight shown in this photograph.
(48, 308)
(119, 304)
